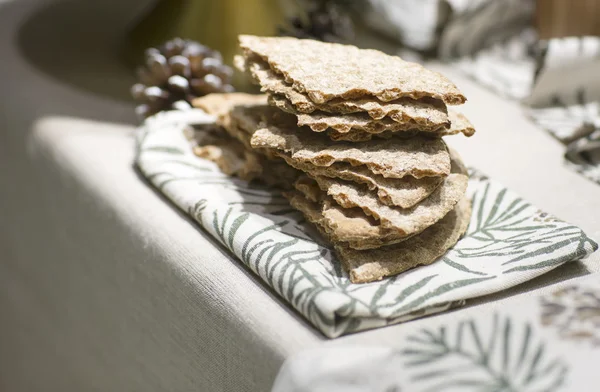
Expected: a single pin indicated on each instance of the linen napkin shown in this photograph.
(548, 342)
(508, 242)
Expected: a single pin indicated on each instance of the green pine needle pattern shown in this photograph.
(500, 355)
(508, 241)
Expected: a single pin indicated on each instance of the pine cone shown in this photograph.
(323, 20)
(176, 73)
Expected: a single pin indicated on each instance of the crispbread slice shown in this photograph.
(418, 156)
(321, 121)
(240, 114)
(248, 110)
(220, 104)
(459, 124)
(343, 218)
(405, 220)
(351, 225)
(422, 249)
(228, 158)
(227, 153)
(234, 159)
(309, 188)
(325, 71)
(423, 113)
(401, 192)
(369, 265)
(276, 173)
(245, 120)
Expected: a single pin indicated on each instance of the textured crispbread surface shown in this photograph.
(325, 71)
(240, 134)
(321, 121)
(406, 221)
(418, 156)
(401, 192)
(220, 104)
(351, 226)
(234, 159)
(241, 114)
(459, 124)
(229, 159)
(343, 216)
(424, 113)
(246, 111)
(235, 156)
(356, 136)
(276, 172)
(309, 188)
(227, 153)
(423, 249)
(369, 265)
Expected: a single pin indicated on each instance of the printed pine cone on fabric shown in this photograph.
(323, 20)
(177, 72)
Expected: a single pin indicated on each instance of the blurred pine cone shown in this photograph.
(323, 20)
(177, 72)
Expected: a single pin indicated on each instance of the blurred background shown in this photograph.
(417, 29)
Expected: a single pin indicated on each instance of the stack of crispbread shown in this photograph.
(357, 135)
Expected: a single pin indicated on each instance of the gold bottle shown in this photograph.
(214, 23)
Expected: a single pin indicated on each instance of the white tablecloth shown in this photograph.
(104, 285)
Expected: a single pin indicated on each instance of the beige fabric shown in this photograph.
(103, 285)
